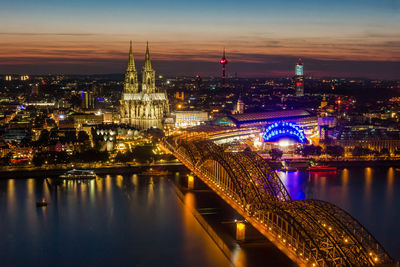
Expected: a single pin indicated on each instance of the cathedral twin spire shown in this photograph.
(142, 105)
(131, 63)
(148, 74)
(147, 62)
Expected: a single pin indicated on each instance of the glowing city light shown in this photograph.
(281, 129)
(284, 143)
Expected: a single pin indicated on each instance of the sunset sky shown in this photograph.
(347, 38)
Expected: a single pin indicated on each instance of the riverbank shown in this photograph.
(48, 171)
(55, 170)
(218, 219)
(360, 163)
(303, 164)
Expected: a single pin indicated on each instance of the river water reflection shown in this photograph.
(371, 195)
(136, 220)
(114, 220)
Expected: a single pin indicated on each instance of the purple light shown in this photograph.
(282, 129)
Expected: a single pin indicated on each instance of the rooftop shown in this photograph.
(271, 115)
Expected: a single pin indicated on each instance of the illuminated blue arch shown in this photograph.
(278, 130)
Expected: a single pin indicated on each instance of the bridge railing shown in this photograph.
(270, 223)
(297, 227)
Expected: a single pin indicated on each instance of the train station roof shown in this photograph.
(262, 117)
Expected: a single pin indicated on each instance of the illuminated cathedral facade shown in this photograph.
(142, 105)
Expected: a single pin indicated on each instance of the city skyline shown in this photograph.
(262, 39)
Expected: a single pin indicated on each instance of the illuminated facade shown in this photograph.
(111, 136)
(282, 129)
(304, 120)
(190, 118)
(299, 78)
(239, 106)
(35, 89)
(87, 98)
(146, 106)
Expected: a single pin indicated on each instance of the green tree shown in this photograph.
(6, 160)
(155, 133)
(335, 151)
(44, 138)
(38, 159)
(143, 153)
(384, 152)
(62, 157)
(124, 157)
(276, 153)
(91, 155)
(83, 137)
(359, 151)
(311, 150)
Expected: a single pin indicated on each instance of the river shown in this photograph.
(371, 195)
(134, 220)
(115, 220)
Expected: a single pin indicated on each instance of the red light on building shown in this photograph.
(223, 61)
(299, 83)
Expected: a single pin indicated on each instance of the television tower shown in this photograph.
(223, 61)
(299, 78)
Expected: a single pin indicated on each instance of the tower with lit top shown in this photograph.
(299, 78)
(223, 62)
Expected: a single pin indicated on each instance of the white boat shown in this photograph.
(78, 174)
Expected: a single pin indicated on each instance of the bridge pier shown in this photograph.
(241, 231)
(190, 181)
(301, 229)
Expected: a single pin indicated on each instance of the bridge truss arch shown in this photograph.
(311, 232)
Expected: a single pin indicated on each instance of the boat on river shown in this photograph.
(42, 203)
(78, 174)
(154, 172)
(322, 168)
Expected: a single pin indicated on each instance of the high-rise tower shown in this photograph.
(144, 108)
(35, 89)
(299, 78)
(223, 61)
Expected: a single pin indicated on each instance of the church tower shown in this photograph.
(131, 84)
(148, 74)
(144, 108)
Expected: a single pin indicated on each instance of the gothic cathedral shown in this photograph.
(146, 107)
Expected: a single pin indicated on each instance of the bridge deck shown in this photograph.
(310, 232)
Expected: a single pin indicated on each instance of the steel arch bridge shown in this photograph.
(310, 232)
